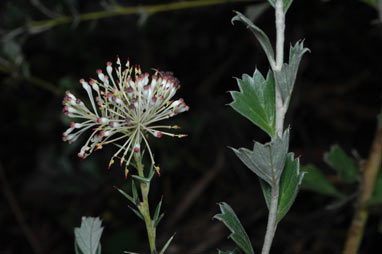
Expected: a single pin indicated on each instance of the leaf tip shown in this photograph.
(235, 18)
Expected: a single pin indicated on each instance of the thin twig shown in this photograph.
(118, 11)
(361, 214)
(35, 81)
(17, 212)
(196, 190)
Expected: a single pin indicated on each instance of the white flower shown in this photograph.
(123, 109)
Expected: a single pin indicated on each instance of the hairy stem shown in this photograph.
(280, 115)
(361, 214)
(144, 206)
(280, 28)
(271, 226)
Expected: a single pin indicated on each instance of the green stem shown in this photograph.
(144, 205)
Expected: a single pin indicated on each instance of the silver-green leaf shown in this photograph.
(286, 78)
(256, 100)
(289, 185)
(268, 160)
(345, 166)
(87, 237)
(286, 3)
(259, 34)
(238, 235)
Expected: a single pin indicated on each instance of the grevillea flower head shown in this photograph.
(124, 108)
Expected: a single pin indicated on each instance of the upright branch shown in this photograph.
(280, 29)
(280, 115)
(264, 101)
(373, 164)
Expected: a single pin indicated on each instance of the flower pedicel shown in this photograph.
(124, 110)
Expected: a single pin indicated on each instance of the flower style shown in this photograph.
(125, 109)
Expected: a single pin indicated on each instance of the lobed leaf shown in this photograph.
(345, 166)
(286, 6)
(315, 180)
(289, 185)
(238, 235)
(76, 248)
(268, 160)
(256, 100)
(87, 237)
(259, 34)
(286, 77)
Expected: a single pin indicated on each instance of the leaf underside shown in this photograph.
(256, 100)
(286, 78)
(87, 237)
(238, 234)
(286, 6)
(266, 161)
(259, 34)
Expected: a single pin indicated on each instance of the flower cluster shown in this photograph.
(123, 109)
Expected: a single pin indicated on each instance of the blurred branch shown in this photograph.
(197, 189)
(34, 80)
(36, 26)
(373, 163)
(17, 212)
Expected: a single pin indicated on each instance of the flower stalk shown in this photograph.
(144, 207)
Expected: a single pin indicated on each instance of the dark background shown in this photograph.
(336, 99)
